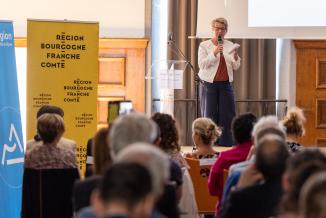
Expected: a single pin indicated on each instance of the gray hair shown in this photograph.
(155, 160)
(131, 128)
(221, 20)
(265, 125)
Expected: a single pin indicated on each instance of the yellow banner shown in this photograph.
(62, 70)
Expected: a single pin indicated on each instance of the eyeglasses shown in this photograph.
(219, 28)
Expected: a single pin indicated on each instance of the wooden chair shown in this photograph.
(48, 193)
(199, 173)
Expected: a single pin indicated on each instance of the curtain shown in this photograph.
(256, 78)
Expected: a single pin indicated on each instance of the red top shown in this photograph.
(222, 71)
(226, 158)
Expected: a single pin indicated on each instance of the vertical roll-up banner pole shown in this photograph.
(62, 70)
(11, 136)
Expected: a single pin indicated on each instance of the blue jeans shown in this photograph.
(217, 102)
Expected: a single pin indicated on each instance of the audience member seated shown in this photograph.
(44, 165)
(299, 168)
(169, 138)
(204, 134)
(48, 155)
(169, 143)
(157, 163)
(242, 126)
(102, 159)
(259, 189)
(63, 142)
(124, 192)
(313, 197)
(294, 124)
(136, 127)
(265, 125)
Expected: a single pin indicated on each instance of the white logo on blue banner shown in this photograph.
(11, 147)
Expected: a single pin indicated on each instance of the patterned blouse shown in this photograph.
(50, 157)
(294, 146)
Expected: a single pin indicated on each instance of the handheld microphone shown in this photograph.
(220, 41)
(170, 37)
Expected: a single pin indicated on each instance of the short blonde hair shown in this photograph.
(220, 20)
(208, 131)
(50, 126)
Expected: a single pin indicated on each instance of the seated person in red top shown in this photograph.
(50, 127)
(242, 127)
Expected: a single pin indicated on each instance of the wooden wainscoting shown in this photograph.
(121, 73)
(311, 89)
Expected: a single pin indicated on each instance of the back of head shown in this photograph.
(304, 156)
(101, 151)
(298, 168)
(271, 156)
(294, 121)
(153, 158)
(50, 109)
(265, 125)
(131, 128)
(242, 127)
(313, 197)
(208, 131)
(125, 183)
(50, 127)
(296, 181)
(168, 130)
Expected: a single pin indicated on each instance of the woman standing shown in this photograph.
(217, 58)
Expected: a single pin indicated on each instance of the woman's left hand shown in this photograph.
(235, 55)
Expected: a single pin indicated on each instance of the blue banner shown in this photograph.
(11, 137)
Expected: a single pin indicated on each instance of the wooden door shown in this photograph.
(121, 74)
(311, 89)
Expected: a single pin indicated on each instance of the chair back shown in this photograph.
(199, 173)
(47, 193)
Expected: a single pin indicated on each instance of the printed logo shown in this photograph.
(5, 36)
(11, 147)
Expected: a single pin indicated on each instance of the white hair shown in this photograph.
(131, 128)
(155, 160)
(265, 125)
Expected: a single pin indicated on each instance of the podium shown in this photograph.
(168, 75)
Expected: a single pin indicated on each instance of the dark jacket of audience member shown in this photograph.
(260, 200)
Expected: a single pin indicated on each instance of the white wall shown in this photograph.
(236, 11)
(118, 18)
(286, 70)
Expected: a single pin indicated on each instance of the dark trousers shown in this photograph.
(217, 102)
